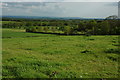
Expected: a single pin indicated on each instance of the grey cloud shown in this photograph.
(64, 9)
(34, 8)
(24, 4)
(118, 4)
(112, 4)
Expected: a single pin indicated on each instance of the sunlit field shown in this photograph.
(35, 55)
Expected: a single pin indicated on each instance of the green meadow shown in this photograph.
(35, 55)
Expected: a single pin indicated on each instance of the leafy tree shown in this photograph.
(94, 27)
(34, 29)
(112, 17)
(45, 28)
(81, 26)
(40, 29)
(53, 29)
(67, 30)
(105, 27)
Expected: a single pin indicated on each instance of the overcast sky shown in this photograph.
(59, 0)
(61, 8)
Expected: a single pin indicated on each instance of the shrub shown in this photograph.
(29, 29)
(67, 30)
(45, 28)
(34, 29)
(40, 29)
(53, 29)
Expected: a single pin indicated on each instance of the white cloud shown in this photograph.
(3, 5)
(33, 9)
(65, 9)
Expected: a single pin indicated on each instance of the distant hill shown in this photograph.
(39, 17)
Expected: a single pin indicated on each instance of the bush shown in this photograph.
(45, 28)
(53, 29)
(29, 29)
(40, 29)
(34, 29)
(68, 30)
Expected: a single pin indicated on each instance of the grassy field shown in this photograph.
(32, 55)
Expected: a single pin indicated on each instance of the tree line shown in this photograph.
(93, 27)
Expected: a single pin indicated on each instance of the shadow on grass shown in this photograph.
(116, 51)
(55, 33)
(70, 34)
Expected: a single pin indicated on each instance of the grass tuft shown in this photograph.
(117, 51)
(87, 51)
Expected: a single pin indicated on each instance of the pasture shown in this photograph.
(35, 55)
